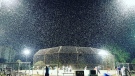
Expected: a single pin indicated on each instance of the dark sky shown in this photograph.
(39, 24)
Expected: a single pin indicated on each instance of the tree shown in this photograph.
(120, 54)
(7, 53)
(39, 64)
(17, 66)
(133, 61)
(18, 61)
(2, 60)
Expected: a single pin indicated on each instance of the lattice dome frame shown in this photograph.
(78, 57)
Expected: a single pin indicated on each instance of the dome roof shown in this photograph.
(67, 49)
(78, 57)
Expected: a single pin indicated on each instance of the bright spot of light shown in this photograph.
(10, 3)
(125, 7)
(26, 51)
(129, 3)
(103, 52)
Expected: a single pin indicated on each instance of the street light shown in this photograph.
(26, 52)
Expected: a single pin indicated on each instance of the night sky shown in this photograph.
(39, 24)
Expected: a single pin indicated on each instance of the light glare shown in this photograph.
(103, 52)
(26, 51)
(129, 3)
(10, 3)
